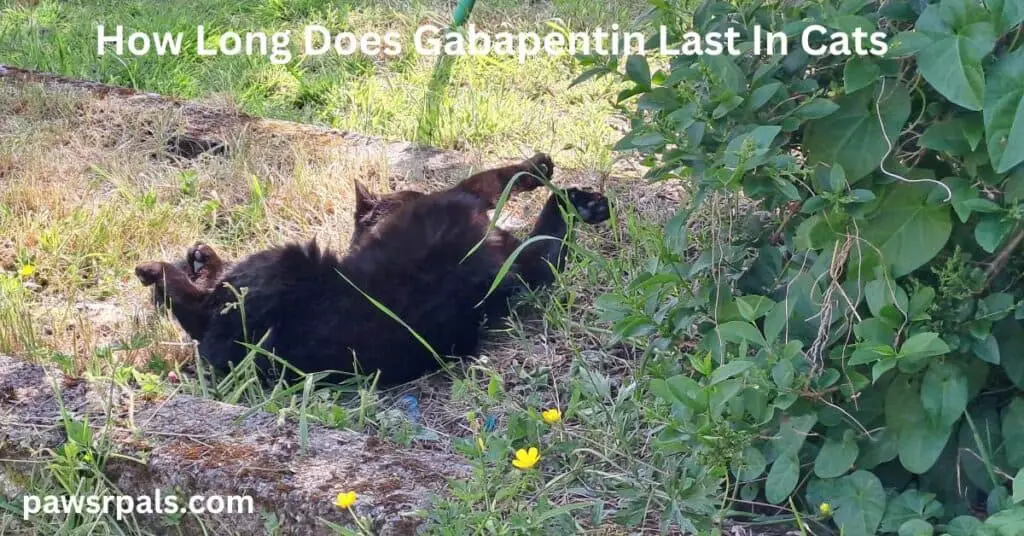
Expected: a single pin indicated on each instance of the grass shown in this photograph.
(497, 104)
(87, 193)
(105, 198)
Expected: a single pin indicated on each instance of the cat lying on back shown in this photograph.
(313, 309)
(204, 267)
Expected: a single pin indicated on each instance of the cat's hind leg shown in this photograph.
(488, 185)
(188, 303)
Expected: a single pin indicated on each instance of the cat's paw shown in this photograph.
(539, 167)
(149, 272)
(592, 206)
(202, 260)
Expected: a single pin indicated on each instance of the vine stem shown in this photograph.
(1000, 260)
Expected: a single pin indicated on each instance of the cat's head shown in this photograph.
(372, 209)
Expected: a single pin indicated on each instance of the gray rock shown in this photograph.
(192, 446)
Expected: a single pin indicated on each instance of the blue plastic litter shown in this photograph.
(490, 423)
(411, 406)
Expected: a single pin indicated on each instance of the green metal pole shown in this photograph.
(462, 11)
(427, 127)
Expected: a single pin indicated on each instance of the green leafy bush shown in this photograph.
(842, 298)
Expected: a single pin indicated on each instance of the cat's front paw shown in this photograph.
(593, 207)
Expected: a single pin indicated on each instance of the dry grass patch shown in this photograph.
(90, 191)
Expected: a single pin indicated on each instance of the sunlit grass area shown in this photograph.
(495, 103)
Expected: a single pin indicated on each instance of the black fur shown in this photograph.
(413, 262)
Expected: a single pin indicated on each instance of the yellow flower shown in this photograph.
(345, 500)
(27, 270)
(526, 459)
(480, 443)
(825, 509)
(551, 416)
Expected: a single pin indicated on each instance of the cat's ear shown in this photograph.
(365, 201)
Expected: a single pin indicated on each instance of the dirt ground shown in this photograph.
(107, 126)
(95, 133)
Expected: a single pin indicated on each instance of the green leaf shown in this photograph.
(816, 108)
(1006, 14)
(883, 447)
(874, 330)
(924, 345)
(860, 503)
(730, 369)
(963, 193)
(659, 99)
(1011, 350)
(782, 478)
(851, 23)
(1006, 523)
(776, 320)
(639, 138)
(920, 441)
(727, 73)
(987, 349)
(954, 69)
(995, 307)
(747, 149)
(752, 307)
(860, 72)
(836, 456)
(681, 389)
(998, 499)
(737, 332)
(676, 233)
(882, 292)
(907, 44)
(916, 527)
(1013, 431)
(921, 446)
(721, 394)
(944, 393)
(881, 367)
(793, 432)
(908, 231)
(947, 137)
(963, 526)
(751, 465)
(991, 231)
(638, 71)
(590, 73)
(760, 96)
(852, 136)
(1018, 487)
(974, 129)
(963, 35)
(1004, 112)
(837, 179)
(911, 504)
(920, 302)
(783, 374)
(861, 195)
(727, 106)
(683, 117)
(868, 354)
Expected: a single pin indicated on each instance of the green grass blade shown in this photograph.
(383, 308)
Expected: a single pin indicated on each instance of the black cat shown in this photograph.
(314, 309)
(204, 267)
